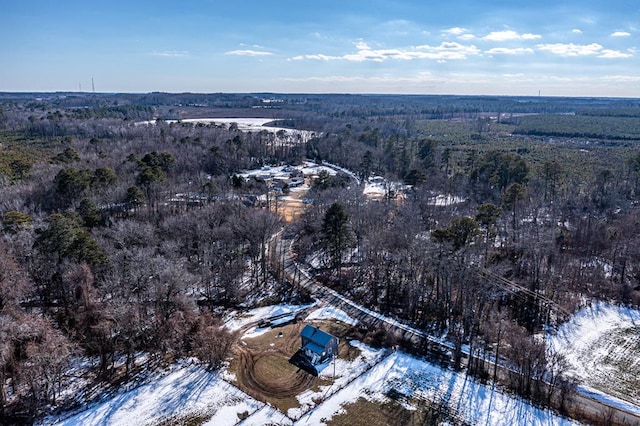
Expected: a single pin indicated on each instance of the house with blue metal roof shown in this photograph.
(318, 347)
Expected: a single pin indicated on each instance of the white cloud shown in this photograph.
(418, 78)
(516, 76)
(467, 37)
(448, 51)
(456, 31)
(509, 35)
(614, 54)
(445, 51)
(571, 49)
(248, 52)
(576, 31)
(172, 53)
(377, 55)
(593, 49)
(621, 34)
(509, 51)
(319, 57)
(623, 78)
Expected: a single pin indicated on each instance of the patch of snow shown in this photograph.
(597, 342)
(329, 312)
(256, 332)
(316, 260)
(230, 414)
(301, 188)
(343, 170)
(235, 321)
(609, 400)
(475, 403)
(446, 200)
(378, 186)
(267, 415)
(312, 169)
(245, 125)
(374, 190)
(345, 372)
(185, 390)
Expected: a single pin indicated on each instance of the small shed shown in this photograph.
(318, 347)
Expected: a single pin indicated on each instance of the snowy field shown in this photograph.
(184, 391)
(245, 125)
(474, 403)
(308, 169)
(331, 313)
(188, 393)
(379, 187)
(602, 346)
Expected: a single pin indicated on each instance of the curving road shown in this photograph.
(284, 264)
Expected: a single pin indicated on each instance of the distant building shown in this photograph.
(317, 349)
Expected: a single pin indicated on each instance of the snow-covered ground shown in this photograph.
(245, 125)
(446, 200)
(329, 312)
(379, 187)
(601, 343)
(344, 373)
(308, 169)
(187, 391)
(473, 402)
(235, 321)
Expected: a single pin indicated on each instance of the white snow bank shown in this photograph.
(329, 312)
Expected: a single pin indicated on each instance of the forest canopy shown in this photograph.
(482, 219)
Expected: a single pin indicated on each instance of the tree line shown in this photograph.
(102, 259)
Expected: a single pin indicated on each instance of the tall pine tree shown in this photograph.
(335, 234)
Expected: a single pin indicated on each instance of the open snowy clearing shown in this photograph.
(245, 125)
(602, 346)
(308, 169)
(184, 391)
(187, 392)
(236, 321)
(421, 381)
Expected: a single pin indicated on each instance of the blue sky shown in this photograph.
(556, 48)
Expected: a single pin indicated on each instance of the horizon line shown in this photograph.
(83, 93)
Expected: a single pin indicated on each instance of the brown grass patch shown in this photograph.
(273, 368)
(392, 413)
(262, 369)
(365, 412)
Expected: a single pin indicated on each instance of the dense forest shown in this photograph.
(121, 238)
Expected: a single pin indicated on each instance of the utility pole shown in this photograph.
(93, 86)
